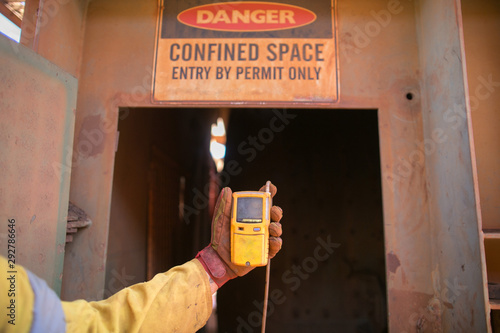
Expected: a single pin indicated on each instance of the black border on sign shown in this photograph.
(246, 103)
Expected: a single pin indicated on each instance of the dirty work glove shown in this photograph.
(216, 257)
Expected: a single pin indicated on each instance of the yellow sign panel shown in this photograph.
(246, 51)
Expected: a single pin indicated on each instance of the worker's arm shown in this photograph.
(175, 301)
(179, 300)
(27, 303)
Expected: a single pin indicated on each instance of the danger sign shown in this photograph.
(246, 52)
(246, 16)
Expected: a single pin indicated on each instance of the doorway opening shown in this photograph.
(330, 273)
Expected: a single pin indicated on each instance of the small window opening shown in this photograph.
(11, 16)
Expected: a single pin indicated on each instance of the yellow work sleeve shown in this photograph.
(16, 298)
(175, 301)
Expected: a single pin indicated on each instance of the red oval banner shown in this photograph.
(246, 16)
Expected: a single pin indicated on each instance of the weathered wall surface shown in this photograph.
(41, 93)
(54, 29)
(456, 261)
(116, 63)
(37, 106)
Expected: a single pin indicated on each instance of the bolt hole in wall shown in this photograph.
(330, 274)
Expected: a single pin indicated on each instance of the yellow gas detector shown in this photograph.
(250, 218)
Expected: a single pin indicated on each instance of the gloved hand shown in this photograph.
(216, 257)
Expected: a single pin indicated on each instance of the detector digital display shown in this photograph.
(249, 210)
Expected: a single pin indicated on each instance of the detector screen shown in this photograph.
(249, 210)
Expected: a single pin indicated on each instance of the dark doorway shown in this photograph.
(162, 158)
(330, 274)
